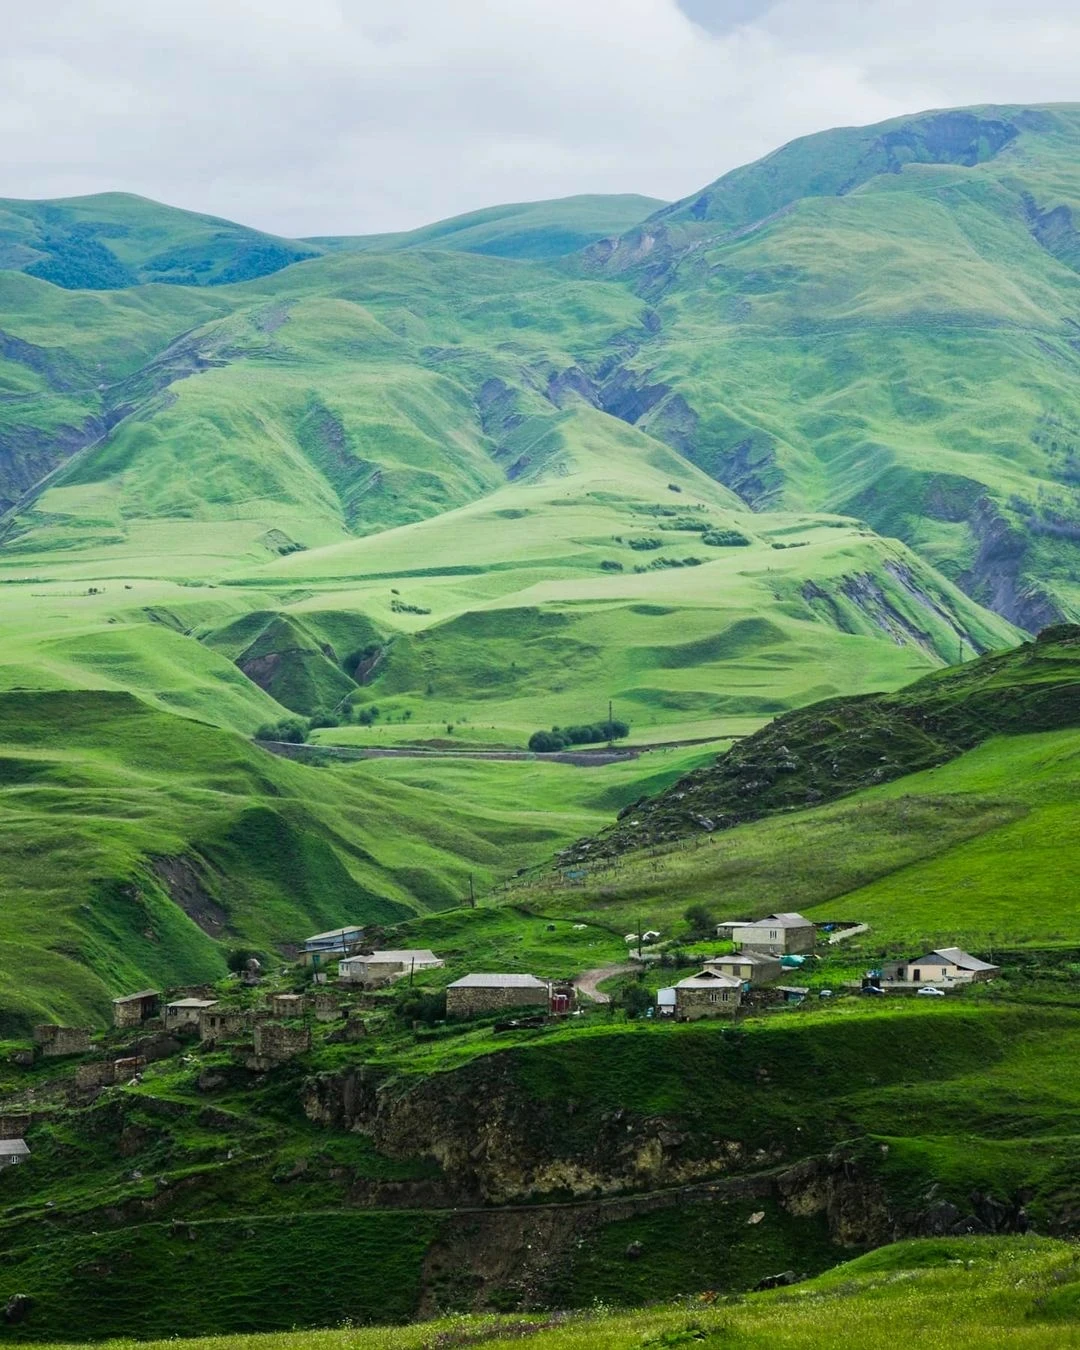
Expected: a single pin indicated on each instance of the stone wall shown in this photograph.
(275, 1042)
(693, 1004)
(54, 1041)
(217, 1023)
(468, 1002)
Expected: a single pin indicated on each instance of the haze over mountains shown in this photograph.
(812, 430)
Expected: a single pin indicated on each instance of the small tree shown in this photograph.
(636, 1000)
(702, 924)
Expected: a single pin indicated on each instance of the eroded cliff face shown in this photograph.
(496, 1145)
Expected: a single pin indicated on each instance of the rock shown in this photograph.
(757, 1216)
(776, 1281)
(18, 1308)
(633, 1252)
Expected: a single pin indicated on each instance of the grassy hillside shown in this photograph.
(113, 239)
(549, 229)
(980, 1294)
(140, 847)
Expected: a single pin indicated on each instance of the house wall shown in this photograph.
(275, 1042)
(134, 1014)
(54, 1041)
(287, 1005)
(693, 1004)
(178, 1018)
(469, 1002)
(759, 973)
(765, 938)
(214, 1024)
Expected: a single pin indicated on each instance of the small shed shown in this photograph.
(13, 1152)
(665, 1002)
(132, 1010)
(374, 969)
(707, 994)
(185, 1012)
(480, 993)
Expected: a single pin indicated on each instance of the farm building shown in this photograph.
(749, 966)
(13, 1152)
(775, 933)
(378, 968)
(331, 946)
(946, 965)
(134, 1009)
(217, 1022)
(185, 1012)
(707, 994)
(493, 993)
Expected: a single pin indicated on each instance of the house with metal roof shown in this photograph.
(331, 945)
(749, 966)
(373, 969)
(133, 1009)
(13, 1152)
(709, 993)
(185, 1012)
(775, 933)
(945, 965)
(480, 993)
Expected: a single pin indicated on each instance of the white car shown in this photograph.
(928, 991)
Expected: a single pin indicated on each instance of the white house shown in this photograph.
(946, 965)
(378, 968)
(13, 1152)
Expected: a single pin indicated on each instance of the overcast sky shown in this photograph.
(352, 116)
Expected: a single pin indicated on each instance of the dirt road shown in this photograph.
(586, 983)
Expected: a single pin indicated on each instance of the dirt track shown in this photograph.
(587, 981)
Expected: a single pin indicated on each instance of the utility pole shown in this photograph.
(412, 970)
(472, 892)
(961, 649)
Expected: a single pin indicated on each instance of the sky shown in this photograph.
(358, 116)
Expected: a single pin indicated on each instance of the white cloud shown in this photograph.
(353, 115)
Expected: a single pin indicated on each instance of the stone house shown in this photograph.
(218, 1023)
(184, 1013)
(707, 994)
(322, 948)
(54, 1041)
(275, 1043)
(373, 970)
(946, 965)
(13, 1152)
(134, 1009)
(287, 1005)
(749, 966)
(775, 933)
(483, 993)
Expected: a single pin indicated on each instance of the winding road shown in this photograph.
(587, 981)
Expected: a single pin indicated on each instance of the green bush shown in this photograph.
(558, 738)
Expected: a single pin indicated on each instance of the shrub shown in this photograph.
(724, 539)
(558, 738)
(635, 1000)
(290, 729)
(702, 924)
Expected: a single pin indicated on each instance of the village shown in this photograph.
(339, 988)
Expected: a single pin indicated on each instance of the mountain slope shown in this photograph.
(828, 750)
(547, 229)
(882, 321)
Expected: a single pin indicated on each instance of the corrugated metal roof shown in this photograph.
(135, 998)
(710, 979)
(404, 957)
(14, 1148)
(333, 933)
(486, 981)
(957, 957)
(192, 1003)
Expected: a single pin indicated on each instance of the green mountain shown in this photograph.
(548, 229)
(881, 321)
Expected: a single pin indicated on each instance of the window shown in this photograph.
(772, 932)
(714, 998)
